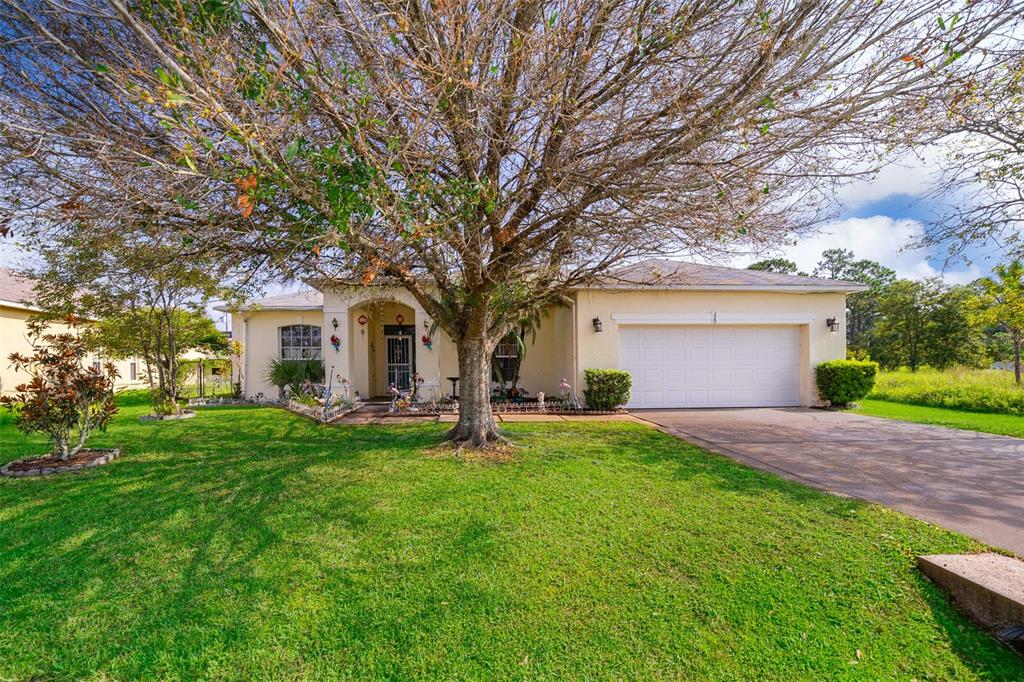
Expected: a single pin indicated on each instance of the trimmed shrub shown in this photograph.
(841, 382)
(607, 389)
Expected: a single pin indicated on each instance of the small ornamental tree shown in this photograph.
(63, 398)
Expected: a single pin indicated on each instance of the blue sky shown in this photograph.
(879, 218)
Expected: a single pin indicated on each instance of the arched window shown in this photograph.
(507, 357)
(300, 342)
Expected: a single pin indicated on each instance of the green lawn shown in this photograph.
(1004, 424)
(250, 544)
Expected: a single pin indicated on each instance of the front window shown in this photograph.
(300, 342)
(506, 356)
(133, 371)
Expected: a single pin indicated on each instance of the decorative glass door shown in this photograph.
(399, 361)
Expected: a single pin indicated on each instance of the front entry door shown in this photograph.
(399, 360)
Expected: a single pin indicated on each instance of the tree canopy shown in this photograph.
(486, 157)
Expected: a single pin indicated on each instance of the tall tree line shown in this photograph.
(914, 323)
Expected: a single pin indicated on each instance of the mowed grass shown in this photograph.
(1002, 424)
(250, 544)
(971, 390)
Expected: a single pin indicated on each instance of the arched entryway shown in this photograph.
(386, 343)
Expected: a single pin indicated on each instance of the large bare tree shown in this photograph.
(981, 180)
(485, 156)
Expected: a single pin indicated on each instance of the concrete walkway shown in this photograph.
(967, 481)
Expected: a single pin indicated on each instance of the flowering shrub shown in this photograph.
(62, 398)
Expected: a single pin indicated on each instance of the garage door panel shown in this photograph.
(742, 354)
(743, 374)
(675, 354)
(695, 366)
(652, 377)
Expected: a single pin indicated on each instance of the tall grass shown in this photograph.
(973, 390)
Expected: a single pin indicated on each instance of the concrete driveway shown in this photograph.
(963, 480)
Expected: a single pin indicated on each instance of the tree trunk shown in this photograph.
(476, 426)
(1016, 356)
(172, 363)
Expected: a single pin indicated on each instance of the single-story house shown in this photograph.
(690, 335)
(17, 305)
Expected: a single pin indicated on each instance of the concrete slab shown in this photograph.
(407, 419)
(513, 417)
(988, 587)
(601, 418)
(964, 480)
(357, 419)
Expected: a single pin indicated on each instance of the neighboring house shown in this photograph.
(17, 305)
(690, 335)
(209, 373)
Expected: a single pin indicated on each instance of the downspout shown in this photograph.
(245, 357)
(575, 341)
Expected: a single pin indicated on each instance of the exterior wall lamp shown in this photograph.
(833, 325)
(334, 323)
(598, 327)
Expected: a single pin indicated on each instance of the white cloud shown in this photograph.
(913, 175)
(878, 238)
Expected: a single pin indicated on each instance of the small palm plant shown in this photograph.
(295, 373)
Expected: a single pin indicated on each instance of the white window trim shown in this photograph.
(711, 317)
(318, 348)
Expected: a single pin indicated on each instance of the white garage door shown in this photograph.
(712, 366)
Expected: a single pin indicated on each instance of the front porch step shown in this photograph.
(988, 587)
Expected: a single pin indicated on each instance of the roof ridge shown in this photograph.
(652, 272)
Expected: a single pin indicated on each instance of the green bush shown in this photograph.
(986, 390)
(841, 382)
(607, 389)
(293, 373)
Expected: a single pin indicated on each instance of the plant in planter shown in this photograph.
(63, 398)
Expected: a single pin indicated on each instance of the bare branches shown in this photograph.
(510, 149)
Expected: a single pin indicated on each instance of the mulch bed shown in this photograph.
(48, 464)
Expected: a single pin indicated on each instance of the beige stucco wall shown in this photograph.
(553, 355)
(809, 311)
(548, 359)
(14, 339)
(258, 332)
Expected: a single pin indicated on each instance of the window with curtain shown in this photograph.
(300, 342)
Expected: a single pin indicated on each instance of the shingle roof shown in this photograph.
(670, 274)
(654, 273)
(296, 300)
(16, 289)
